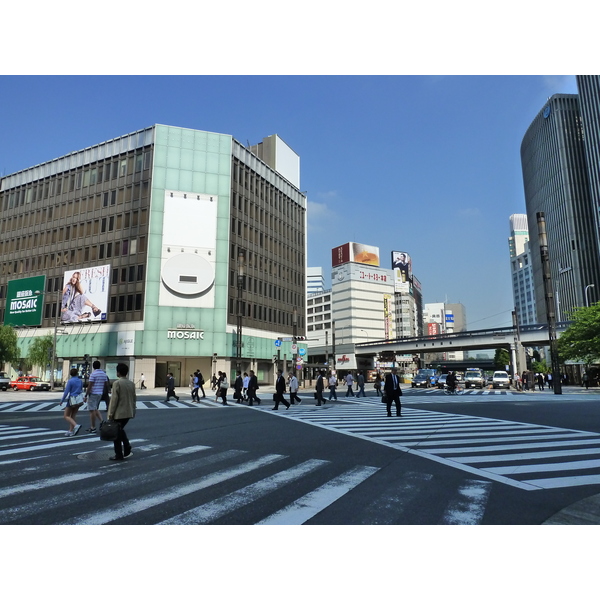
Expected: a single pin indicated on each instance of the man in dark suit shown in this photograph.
(278, 396)
(319, 389)
(170, 387)
(393, 392)
(238, 386)
(252, 387)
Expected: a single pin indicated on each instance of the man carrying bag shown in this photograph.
(122, 407)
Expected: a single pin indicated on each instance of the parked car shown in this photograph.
(500, 379)
(4, 381)
(441, 382)
(420, 380)
(30, 383)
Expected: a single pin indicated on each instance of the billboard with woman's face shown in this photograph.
(85, 295)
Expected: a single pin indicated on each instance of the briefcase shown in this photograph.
(109, 431)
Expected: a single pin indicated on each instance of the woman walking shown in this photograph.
(222, 387)
(73, 390)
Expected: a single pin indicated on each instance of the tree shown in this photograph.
(9, 350)
(540, 366)
(40, 351)
(501, 359)
(581, 340)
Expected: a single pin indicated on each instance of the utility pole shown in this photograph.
(550, 303)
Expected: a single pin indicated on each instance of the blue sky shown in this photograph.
(424, 164)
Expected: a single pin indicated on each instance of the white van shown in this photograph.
(500, 379)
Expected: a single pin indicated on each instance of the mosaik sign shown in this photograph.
(25, 301)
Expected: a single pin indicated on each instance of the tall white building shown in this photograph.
(315, 282)
(521, 270)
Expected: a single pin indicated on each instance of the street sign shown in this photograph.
(298, 366)
(299, 360)
(294, 348)
(278, 343)
(302, 351)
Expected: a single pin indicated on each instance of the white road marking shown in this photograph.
(308, 506)
(211, 511)
(468, 507)
(172, 493)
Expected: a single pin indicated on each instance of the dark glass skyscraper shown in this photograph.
(555, 177)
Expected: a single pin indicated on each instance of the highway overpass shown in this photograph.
(482, 339)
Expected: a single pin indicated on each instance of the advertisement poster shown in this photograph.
(402, 266)
(85, 295)
(355, 252)
(24, 301)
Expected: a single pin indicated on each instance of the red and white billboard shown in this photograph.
(433, 328)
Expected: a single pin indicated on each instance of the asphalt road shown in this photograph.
(482, 458)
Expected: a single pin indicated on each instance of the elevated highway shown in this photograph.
(482, 339)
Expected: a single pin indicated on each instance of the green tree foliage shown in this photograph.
(40, 351)
(501, 359)
(581, 340)
(540, 366)
(9, 350)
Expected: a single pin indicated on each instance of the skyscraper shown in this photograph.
(521, 270)
(555, 178)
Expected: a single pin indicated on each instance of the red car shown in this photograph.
(30, 384)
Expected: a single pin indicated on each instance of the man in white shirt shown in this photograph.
(294, 386)
(332, 385)
(349, 382)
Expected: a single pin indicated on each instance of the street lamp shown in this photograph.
(587, 287)
(241, 280)
(365, 332)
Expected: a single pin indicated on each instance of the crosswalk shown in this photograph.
(523, 455)
(51, 479)
(55, 406)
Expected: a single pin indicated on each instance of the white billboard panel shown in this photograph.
(85, 295)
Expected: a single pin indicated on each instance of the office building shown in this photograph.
(555, 178)
(521, 270)
(181, 241)
(315, 282)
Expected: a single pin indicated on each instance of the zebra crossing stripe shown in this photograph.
(172, 493)
(217, 508)
(468, 506)
(45, 483)
(308, 506)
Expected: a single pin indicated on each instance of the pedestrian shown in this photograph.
(540, 381)
(94, 393)
(223, 385)
(238, 386)
(142, 382)
(278, 396)
(294, 387)
(319, 386)
(518, 385)
(214, 382)
(201, 382)
(586, 381)
(72, 394)
(524, 381)
(549, 381)
(393, 392)
(252, 387)
(170, 387)
(332, 385)
(349, 382)
(122, 407)
(246, 381)
(361, 384)
(377, 385)
(195, 387)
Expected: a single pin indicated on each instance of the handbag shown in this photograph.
(76, 401)
(384, 398)
(109, 430)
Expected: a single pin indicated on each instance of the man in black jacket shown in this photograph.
(170, 387)
(393, 392)
(252, 387)
(320, 385)
(278, 396)
(238, 386)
